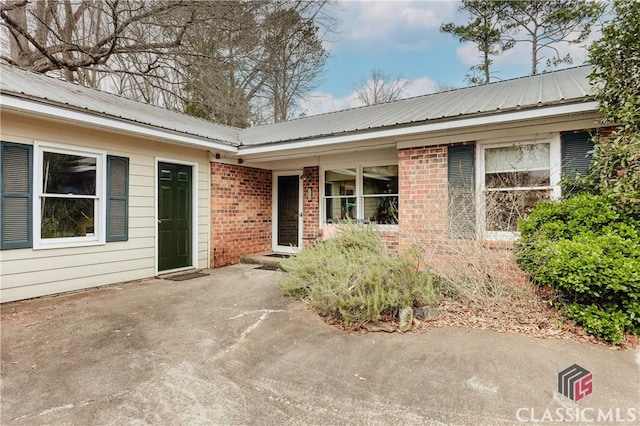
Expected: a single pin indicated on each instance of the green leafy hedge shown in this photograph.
(351, 277)
(585, 248)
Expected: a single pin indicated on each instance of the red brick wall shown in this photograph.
(240, 212)
(390, 239)
(310, 209)
(423, 196)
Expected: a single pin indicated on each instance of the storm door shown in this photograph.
(287, 229)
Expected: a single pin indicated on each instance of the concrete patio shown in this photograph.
(227, 348)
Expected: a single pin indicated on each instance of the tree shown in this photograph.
(294, 55)
(219, 60)
(546, 23)
(380, 88)
(616, 80)
(485, 30)
(221, 78)
(70, 35)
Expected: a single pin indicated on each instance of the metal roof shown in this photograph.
(553, 88)
(558, 87)
(53, 91)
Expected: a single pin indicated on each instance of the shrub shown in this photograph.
(587, 250)
(353, 278)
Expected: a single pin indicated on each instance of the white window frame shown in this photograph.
(100, 209)
(359, 195)
(555, 174)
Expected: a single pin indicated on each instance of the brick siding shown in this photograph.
(240, 212)
(423, 196)
(310, 209)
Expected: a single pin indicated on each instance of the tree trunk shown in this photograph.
(18, 45)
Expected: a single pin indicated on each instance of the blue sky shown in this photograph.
(402, 38)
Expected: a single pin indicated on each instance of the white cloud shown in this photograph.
(419, 86)
(319, 103)
(468, 54)
(391, 22)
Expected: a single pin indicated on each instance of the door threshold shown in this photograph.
(165, 274)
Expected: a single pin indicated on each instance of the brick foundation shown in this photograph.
(240, 212)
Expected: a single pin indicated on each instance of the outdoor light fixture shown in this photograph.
(309, 194)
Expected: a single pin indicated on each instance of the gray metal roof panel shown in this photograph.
(569, 85)
(42, 88)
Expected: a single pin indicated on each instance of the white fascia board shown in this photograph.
(23, 105)
(528, 114)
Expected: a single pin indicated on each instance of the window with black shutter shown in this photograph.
(66, 197)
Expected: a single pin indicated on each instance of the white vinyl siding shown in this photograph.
(30, 273)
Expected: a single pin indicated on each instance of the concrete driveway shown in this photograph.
(229, 349)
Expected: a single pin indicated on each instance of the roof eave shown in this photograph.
(497, 117)
(22, 104)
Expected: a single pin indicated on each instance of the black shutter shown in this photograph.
(117, 198)
(576, 156)
(16, 199)
(462, 200)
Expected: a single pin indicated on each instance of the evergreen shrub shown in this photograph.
(353, 278)
(590, 252)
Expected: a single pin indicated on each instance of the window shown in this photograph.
(340, 195)
(70, 198)
(513, 179)
(367, 193)
(53, 195)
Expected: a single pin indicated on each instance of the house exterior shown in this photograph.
(97, 189)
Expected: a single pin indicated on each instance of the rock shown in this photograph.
(406, 318)
(375, 326)
(426, 312)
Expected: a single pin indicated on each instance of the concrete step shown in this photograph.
(271, 260)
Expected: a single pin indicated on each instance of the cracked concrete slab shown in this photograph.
(229, 349)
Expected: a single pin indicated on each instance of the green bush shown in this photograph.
(587, 250)
(351, 277)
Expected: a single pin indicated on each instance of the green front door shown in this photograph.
(174, 216)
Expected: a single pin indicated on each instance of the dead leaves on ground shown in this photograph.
(531, 316)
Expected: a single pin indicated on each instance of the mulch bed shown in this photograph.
(532, 316)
